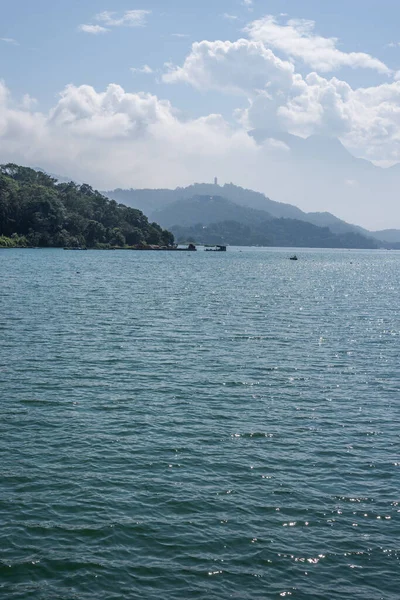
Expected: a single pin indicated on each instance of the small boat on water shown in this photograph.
(294, 257)
(216, 248)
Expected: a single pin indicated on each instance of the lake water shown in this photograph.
(199, 425)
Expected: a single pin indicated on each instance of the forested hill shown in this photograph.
(157, 202)
(216, 220)
(36, 210)
(271, 232)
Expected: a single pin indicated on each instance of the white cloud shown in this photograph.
(366, 120)
(114, 138)
(297, 39)
(28, 102)
(240, 67)
(9, 41)
(130, 18)
(317, 105)
(229, 17)
(180, 35)
(93, 29)
(145, 70)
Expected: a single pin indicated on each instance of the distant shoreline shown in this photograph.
(298, 248)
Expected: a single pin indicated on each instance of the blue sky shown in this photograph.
(308, 67)
(52, 52)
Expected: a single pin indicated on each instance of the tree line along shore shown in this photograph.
(38, 211)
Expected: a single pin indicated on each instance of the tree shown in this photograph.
(167, 238)
(95, 233)
(134, 236)
(43, 211)
(117, 238)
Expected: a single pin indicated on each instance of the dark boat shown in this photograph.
(175, 248)
(190, 248)
(294, 257)
(218, 248)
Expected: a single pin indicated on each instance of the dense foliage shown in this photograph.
(273, 232)
(35, 210)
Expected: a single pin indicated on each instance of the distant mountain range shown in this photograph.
(216, 220)
(313, 172)
(206, 210)
(205, 204)
(273, 232)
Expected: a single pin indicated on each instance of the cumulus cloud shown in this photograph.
(115, 138)
(84, 120)
(298, 40)
(93, 29)
(317, 105)
(240, 67)
(130, 18)
(110, 114)
(367, 120)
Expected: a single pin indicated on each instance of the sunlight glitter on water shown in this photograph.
(181, 426)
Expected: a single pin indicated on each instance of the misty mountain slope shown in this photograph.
(390, 236)
(245, 197)
(317, 148)
(213, 219)
(150, 200)
(214, 209)
(325, 219)
(320, 172)
(314, 172)
(206, 210)
(154, 202)
(273, 232)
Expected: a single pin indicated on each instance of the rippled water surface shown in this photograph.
(199, 425)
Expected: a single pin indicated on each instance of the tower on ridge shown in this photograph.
(215, 180)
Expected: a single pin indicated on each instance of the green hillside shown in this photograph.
(35, 210)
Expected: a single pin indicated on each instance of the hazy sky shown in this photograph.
(161, 93)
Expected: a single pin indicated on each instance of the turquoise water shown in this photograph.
(199, 425)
